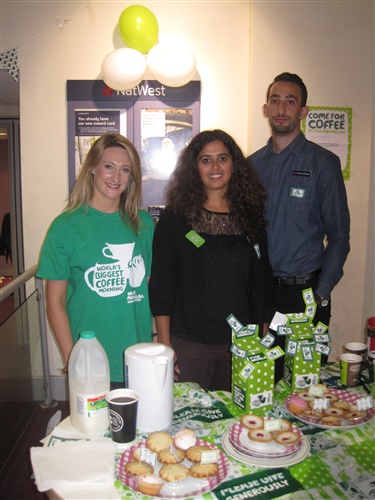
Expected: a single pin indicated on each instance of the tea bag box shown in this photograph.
(252, 375)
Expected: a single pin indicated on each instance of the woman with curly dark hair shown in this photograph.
(210, 258)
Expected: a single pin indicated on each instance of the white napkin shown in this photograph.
(74, 463)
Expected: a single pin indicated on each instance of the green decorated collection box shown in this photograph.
(253, 369)
(304, 344)
(302, 359)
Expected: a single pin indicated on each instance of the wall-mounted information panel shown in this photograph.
(159, 120)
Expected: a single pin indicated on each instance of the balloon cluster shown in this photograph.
(171, 63)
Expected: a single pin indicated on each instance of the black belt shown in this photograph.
(295, 280)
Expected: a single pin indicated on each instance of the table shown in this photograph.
(340, 463)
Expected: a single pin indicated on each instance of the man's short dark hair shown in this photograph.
(292, 78)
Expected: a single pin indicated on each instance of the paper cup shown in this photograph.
(350, 365)
(357, 348)
(122, 411)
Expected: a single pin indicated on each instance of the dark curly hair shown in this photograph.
(245, 194)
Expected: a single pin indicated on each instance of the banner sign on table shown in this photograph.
(266, 484)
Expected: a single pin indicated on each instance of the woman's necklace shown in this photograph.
(218, 218)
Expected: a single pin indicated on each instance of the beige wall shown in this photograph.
(239, 47)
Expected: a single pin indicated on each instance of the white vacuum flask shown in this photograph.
(149, 370)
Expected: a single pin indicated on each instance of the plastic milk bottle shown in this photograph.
(88, 376)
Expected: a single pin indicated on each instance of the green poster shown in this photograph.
(331, 128)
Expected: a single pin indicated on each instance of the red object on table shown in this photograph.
(371, 333)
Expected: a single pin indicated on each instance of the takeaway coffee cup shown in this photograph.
(357, 348)
(350, 368)
(122, 412)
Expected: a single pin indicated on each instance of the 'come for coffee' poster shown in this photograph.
(331, 128)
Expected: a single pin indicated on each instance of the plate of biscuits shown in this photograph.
(342, 410)
(166, 466)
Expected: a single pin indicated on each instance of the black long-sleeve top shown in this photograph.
(200, 286)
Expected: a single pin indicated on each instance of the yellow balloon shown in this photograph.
(138, 28)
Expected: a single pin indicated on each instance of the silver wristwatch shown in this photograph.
(321, 301)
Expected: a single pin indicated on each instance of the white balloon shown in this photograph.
(172, 64)
(123, 69)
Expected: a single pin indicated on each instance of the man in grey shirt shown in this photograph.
(307, 211)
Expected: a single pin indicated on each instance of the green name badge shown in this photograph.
(195, 238)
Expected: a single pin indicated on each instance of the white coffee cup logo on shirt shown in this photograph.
(110, 279)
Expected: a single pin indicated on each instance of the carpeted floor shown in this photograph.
(16, 481)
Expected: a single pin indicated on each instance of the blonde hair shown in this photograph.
(130, 199)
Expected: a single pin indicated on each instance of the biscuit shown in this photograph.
(285, 425)
(252, 421)
(203, 471)
(312, 416)
(355, 417)
(166, 456)
(287, 437)
(344, 405)
(159, 440)
(260, 436)
(332, 398)
(331, 421)
(194, 453)
(138, 468)
(333, 411)
(173, 472)
(305, 395)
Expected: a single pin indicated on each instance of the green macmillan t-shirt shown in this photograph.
(106, 265)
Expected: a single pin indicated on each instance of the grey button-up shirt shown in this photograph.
(306, 209)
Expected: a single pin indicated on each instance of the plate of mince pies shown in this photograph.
(166, 466)
(249, 436)
(342, 410)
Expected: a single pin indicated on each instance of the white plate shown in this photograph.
(189, 487)
(239, 439)
(300, 455)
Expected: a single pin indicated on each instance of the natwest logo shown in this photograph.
(107, 90)
(139, 90)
